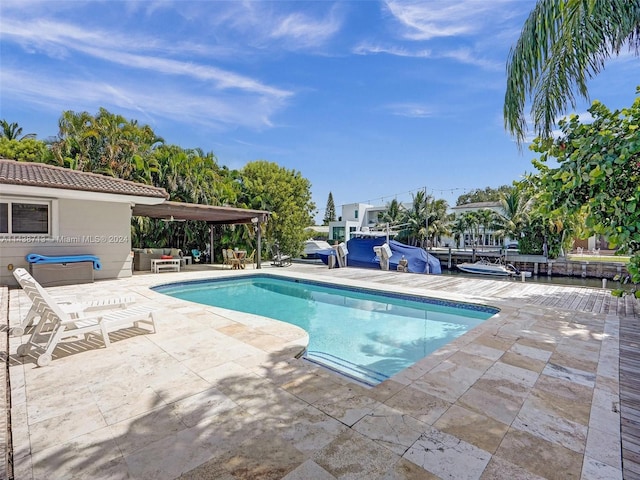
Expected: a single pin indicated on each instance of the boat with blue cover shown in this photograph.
(361, 254)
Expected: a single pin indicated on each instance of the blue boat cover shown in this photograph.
(35, 258)
(361, 254)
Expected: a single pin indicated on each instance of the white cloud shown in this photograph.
(305, 31)
(192, 107)
(58, 40)
(367, 48)
(412, 110)
(426, 20)
(467, 56)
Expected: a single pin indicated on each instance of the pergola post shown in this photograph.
(211, 249)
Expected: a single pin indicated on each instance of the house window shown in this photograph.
(4, 218)
(356, 214)
(25, 217)
(338, 234)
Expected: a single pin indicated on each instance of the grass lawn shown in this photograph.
(598, 258)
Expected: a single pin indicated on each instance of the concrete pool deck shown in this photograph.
(532, 393)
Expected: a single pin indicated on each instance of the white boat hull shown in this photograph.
(483, 268)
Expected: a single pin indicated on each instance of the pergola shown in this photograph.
(211, 214)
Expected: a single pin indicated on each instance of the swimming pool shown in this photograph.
(365, 334)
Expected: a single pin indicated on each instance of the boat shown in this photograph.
(362, 255)
(312, 247)
(484, 267)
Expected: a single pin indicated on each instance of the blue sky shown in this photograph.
(368, 100)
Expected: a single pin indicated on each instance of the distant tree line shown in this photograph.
(109, 144)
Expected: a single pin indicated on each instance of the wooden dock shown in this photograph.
(630, 391)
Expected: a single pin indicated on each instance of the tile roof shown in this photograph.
(34, 174)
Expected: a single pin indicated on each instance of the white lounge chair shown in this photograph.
(56, 324)
(74, 307)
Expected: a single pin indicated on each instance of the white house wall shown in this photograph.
(82, 227)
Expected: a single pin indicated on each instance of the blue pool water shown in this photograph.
(361, 333)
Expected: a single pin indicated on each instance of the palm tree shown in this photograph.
(416, 218)
(11, 131)
(392, 214)
(515, 214)
(458, 229)
(438, 220)
(472, 223)
(485, 220)
(562, 44)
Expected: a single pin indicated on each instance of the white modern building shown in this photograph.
(356, 218)
(486, 238)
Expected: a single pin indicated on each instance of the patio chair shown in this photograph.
(233, 259)
(74, 307)
(56, 324)
(249, 258)
(277, 258)
(225, 257)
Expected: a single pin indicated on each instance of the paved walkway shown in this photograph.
(531, 393)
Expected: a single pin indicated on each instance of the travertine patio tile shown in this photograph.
(495, 342)
(175, 382)
(539, 456)
(570, 361)
(264, 456)
(418, 404)
(133, 402)
(385, 390)
(20, 434)
(347, 405)
(228, 371)
(203, 407)
(44, 406)
(351, 456)
(188, 449)
(448, 381)
(606, 418)
(310, 430)
(92, 455)
(534, 418)
(64, 427)
(571, 374)
(390, 428)
(604, 447)
(481, 350)
(498, 399)
(447, 456)
(475, 358)
(512, 374)
(472, 427)
(308, 470)
(138, 432)
(311, 388)
(575, 408)
(531, 352)
(543, 343)
(406, 470)
(499, 468)
(522, 361)
(594, 470)
(577, 394)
